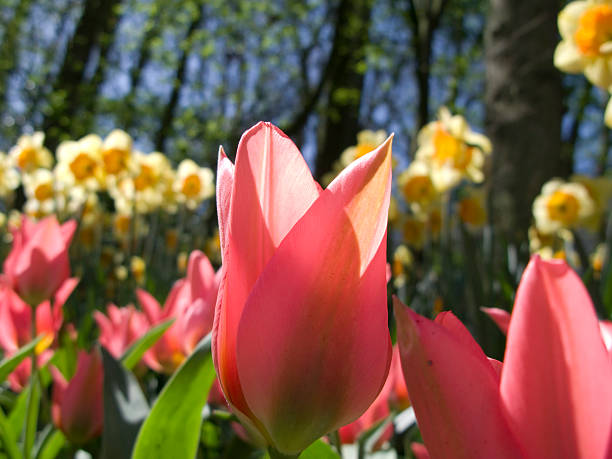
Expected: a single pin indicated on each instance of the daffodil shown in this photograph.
(9, 177)
(116, 155)
(600, 190)
(39, 188)
(416, 186)
(562, 205)
(452, 150)
(79, 164)
(471, 208)
(413, 231)
(193, 184)
(586, 40)
(30, 154)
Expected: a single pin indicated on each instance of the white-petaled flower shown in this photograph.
(116, 155)
(145, 191)
(416, 186)
(41, 194)
(600, 190)
(452, 150)
(9, 177)
(586, 40)
(193, 184)
(79, 164)
(561, 205)
(30, 154)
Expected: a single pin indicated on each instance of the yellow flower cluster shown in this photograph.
(137, 182)
(586, 43)
(449, 154)
(563, 206)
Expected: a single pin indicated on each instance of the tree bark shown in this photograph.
(94, 30)
(523, 109)
(340, 120)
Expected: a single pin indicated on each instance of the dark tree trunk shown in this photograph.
(93, 32)
(424, 18)
(523, 109)
(341, 112)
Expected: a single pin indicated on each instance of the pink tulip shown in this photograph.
(300, 340)
(419, 450)
(38, 264)
(393, 396)
(15, 328)
(121, 328)
(191, 303)
(553, 398)
(77, 406)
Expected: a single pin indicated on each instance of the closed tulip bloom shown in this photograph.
(300, 340)
(191, 303)
(38, 263)
(551, 399)
(77, 406)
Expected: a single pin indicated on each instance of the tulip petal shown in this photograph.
(454, 391)
(225, 184)
(501, 317)
(272, 188)
(325, 352)
(556, 376)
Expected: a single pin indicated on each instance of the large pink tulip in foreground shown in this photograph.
(300, 339)
(553, 398)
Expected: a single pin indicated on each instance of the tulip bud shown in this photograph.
(77, 407)
(38, 263)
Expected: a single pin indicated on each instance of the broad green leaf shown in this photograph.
(52, 445)
(319, 450)
(9, 364)
(133, 355)
(125, 408)
(31, 420)
(172, 429)
(7, 438)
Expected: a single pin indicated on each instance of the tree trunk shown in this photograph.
(341, 117)
(94, 31)
(523, 109)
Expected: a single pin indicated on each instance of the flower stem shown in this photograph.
(31, 419)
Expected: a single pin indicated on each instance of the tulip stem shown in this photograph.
(274, 454)
(31, 419)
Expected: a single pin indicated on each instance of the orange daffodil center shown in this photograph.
(563, 207)
(594, 29)
(191, 186)
(83, 167)
(449, 149)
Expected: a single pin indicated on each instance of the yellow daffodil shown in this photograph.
(471, 208)
(116, 155)
(586, 40)
(401, 263)
(413, 231)
(416, 186)
(138, 267)
(79, 164)
(193, 184)
(9, 177)
(452, 150)
(39, 188)
(30, 154)
(562, 205)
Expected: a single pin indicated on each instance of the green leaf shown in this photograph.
(319, 450)
(125, 408)
(133, 355)
(173, 427)
(9, 364)
(51, 444)
(8, 438)
(18, 413)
